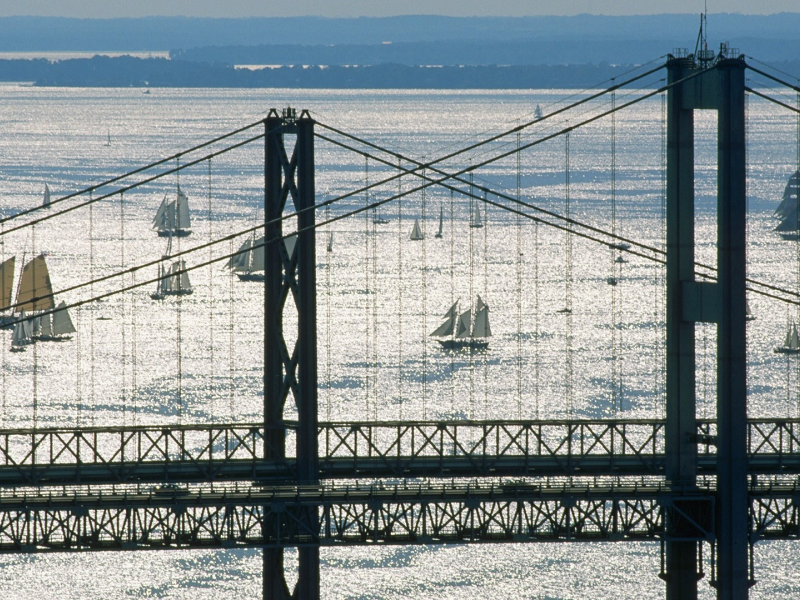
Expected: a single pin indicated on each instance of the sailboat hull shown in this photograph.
(162, 295)
(463, 344)
(784, 350)
(53, 338)
(250, 276)
(174, 232)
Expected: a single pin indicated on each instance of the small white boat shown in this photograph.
(46, 199)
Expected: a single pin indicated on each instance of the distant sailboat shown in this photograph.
(377, 219)
(787, 211)
(108, 141)
(537, 112)
(416, 232)
(465, 332)
(172, 217)
(791, 345)
(171, 281)
(330, 242)
(441, 222)
(46, 199)
(248, 264)
(748, 314)
(476, 222)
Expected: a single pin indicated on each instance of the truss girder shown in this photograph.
(377, 449)
(352, 515)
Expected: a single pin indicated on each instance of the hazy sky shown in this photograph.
(380, 8)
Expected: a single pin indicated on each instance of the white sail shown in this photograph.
(45, 326)
(162, 221)
(290, 243)
(46, 200)
(182, 218)
(416, 231)
(257, 264)
(35, 291)
(241, 260)
(62, 324)
(792, 342)
(6, 282)
(452, 312)
(463, 324)
(446, 328)
(27, 326)
(19, 336)
(481, 328)
(476, 218)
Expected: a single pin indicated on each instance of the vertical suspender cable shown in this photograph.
(374, 297)
(4, 392)
(614, 254)
(35, 346)
(367, 291)
(797, 253)
(231, 358)
(91, 310)
(328, 265)
(452, 300)
(178, 340)
(661, 304)
(519, 280)
(424, 306)
(400, 289)
(568, 282)
(212, 387)
(122, 306)
(471, 290)
(134, 355)
(485, 298)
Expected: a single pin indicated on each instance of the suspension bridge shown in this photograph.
(293, 479)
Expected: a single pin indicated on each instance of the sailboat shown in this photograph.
(791, 345)
(465, 332)
(441, 222)
(416, 232)
(476, 222)
(748, 314)
(248, 264)
(21, 338)
(108, 141)
(171, 281)
(55, 327)
(330, 241)
(377, 219)
(172, 217)
(6, 291)
(537, 112)
(46, 199)
(787, 211)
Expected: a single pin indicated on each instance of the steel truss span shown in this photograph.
(195, 453)
(348, 515)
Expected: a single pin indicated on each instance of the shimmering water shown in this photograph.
(380, 295)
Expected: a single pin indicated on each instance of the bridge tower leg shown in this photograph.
(290, 272)
(718, 87)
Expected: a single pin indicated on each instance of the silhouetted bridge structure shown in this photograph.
(299, 482)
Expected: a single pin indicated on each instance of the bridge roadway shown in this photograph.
(380, 450)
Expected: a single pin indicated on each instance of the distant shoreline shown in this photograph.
(128, 71)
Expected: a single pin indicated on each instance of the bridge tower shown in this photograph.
(290, 272)
(716, 84)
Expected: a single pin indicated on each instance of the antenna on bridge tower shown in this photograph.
(701, 52)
